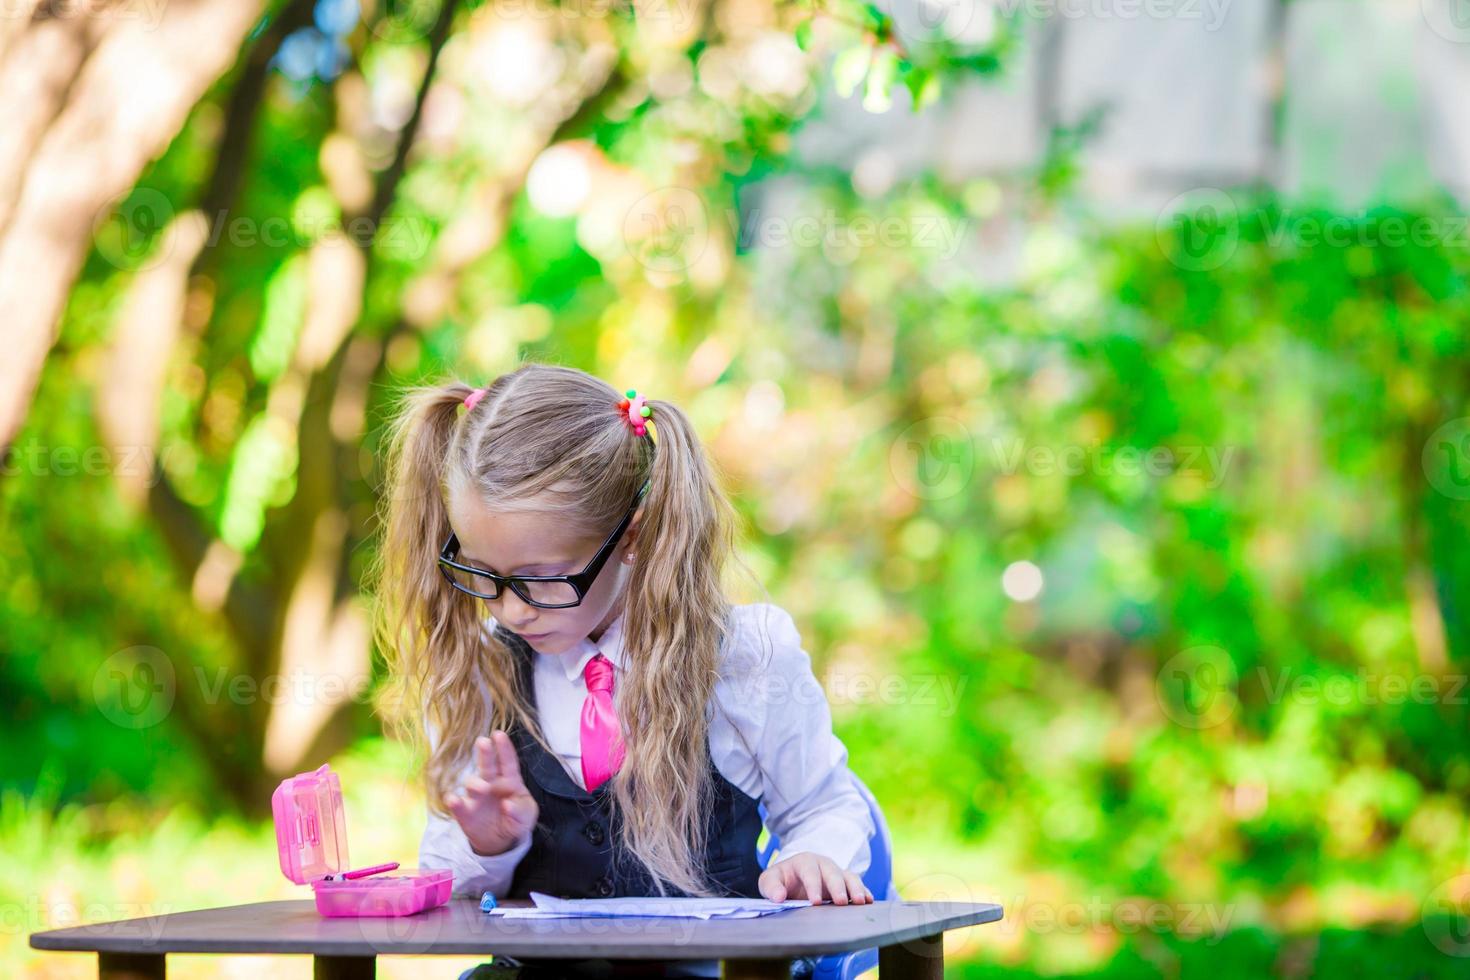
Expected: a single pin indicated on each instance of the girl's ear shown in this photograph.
(630, 536)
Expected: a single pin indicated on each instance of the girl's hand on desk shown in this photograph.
(493, 808)
(815, 878)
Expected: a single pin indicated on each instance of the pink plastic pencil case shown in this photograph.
(311, 835)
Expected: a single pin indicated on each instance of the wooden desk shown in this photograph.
(909, 935)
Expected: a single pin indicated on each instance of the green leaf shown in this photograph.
(878, 95)
(849, 67)
(262, 475)
(877, 21)
(280, 322)
(803, 35)
(924, 86)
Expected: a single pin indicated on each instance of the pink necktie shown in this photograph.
(602, 741)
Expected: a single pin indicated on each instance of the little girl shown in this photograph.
(600, 719)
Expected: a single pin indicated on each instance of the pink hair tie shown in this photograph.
(473, 398)
(633, 406)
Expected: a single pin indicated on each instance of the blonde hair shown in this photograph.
(554, 432)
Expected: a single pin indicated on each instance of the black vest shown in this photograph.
(573, 851)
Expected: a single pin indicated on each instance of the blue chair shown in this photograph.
(878, 878)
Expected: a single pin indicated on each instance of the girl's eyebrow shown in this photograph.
(518, 568)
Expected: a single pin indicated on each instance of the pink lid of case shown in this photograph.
(311, 825)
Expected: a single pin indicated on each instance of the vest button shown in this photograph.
(594, 832)
(604, 886)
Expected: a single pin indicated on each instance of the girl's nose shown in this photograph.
(516, 613)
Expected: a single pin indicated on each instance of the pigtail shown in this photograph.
(687, 533)
(431, 639)
(677, 616)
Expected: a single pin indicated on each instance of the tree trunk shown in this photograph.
(82, 144)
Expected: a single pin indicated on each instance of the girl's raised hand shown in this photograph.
(814, 878)
(494, 808)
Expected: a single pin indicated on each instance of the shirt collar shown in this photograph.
(610, 645)
(574, 661)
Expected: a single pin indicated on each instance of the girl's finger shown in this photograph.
(485, 762)
(510, 808)
(835, 883)
(811, 883)
(856, 893)
(770, 885)
(505, 753)
(506, 787)
(476, 788)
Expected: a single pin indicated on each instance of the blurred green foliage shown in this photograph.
(1218, 439)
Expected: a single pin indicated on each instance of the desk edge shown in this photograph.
(75, 940)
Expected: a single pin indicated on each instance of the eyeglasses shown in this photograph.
(541, 591)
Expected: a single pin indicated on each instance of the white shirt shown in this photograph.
(770, 734)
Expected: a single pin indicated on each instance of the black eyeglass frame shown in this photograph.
(580, 582)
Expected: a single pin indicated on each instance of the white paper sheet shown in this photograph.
(550, 907)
